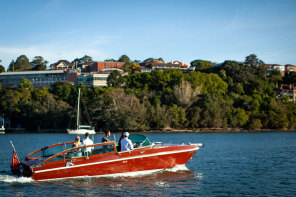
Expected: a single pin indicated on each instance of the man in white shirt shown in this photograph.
(126, 144)
(87, 142)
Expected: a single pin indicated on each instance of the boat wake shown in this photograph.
(147, 172)
(15, 179)
(177, 168)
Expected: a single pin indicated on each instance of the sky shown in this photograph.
(175, 30)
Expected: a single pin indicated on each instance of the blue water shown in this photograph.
(229, 164)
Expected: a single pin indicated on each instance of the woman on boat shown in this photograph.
(77, 142)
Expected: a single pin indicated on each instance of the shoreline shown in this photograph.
(167, 130)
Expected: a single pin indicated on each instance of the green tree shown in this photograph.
(255, 124)
(21, 64)
(120, 111)
(201, 64)
(213, 111)
(290, 78)
(275, 77)
(65, 91)
(177, 117)
(48, 112)
(110, 60)
(124, 58)
(38, 63)
(153, 59)
(239, 118)
(2, 69)
(210, 83)
(128, 64)
(26, 83)
(253, 61)
(115, 79)
(83, 60)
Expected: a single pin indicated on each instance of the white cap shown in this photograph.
(126, 134)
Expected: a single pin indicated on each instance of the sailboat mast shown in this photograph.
(78, 102)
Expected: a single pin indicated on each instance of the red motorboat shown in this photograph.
(60, 161)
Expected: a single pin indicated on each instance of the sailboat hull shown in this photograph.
(81, 131)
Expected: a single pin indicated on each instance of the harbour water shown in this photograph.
(229, 164)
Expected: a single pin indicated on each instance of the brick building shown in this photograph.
(98, 66)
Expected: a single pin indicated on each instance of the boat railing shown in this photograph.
(83, 151)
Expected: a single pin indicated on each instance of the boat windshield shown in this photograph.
(50, 150)
(139, 140)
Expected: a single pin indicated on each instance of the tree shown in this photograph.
(84, 60)
(255, 124)
(185, 94)
(110, 60)
(153, 59)
(209, 83)
(2, 69)
(115, 79)
(201, 64)
(239, 118)
(290, 78)
(38, 63)
(26, 83)
(120, 111)
(124, 58)
(253, 61)
(275, 76)
(212, 115)
(128, 64)
(21, 64)
(64, 91)
(177, 117)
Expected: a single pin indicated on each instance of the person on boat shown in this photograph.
(119, 142)
(87, 142)
(106, 138)
(77, 142)
(126, 144)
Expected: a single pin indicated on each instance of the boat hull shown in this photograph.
(143, 159)
(81, 131)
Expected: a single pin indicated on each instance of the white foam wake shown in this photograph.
(177, 168)
(13, 179)
(146, 172)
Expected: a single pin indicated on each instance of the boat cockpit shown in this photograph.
(65, 151)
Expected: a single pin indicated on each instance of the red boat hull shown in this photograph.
(142, 159)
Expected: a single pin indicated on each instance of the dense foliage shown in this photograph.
(233, 95)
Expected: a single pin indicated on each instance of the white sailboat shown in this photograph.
(81, 129)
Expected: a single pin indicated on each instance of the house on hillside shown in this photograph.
(287, 90)
(61, 65)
